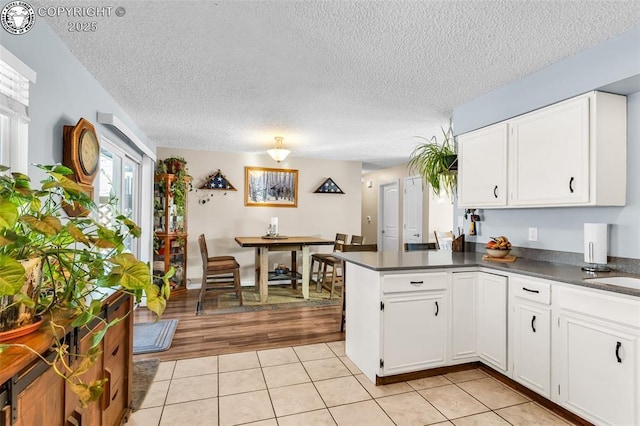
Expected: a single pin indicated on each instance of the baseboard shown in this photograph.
(548, 404)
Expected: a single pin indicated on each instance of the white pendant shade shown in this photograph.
(278, 153)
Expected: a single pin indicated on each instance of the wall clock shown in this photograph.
(81, 152)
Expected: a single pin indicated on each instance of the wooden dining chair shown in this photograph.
(220, 274)
(444, 240)
(319, 258)
(342, 281)
(420, 246)
(357, 239)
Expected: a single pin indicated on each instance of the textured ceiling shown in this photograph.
(348, 80)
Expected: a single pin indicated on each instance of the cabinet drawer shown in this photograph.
(397, 283)
(116, 402)
(531, 289)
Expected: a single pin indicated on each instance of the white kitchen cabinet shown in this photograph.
(482, 167)
(530, 333)
(414, 331)
(572, 153)
(597, 355)
(492, 320)
(463, 316)
(396, 322)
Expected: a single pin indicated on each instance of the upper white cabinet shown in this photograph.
(482, 174)
(573, 153)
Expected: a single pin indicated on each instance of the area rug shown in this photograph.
(144, 371)
(280, 297)
(151, 337)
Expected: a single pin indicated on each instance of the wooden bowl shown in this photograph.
(498, 252)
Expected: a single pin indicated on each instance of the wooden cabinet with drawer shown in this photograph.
(36, 395)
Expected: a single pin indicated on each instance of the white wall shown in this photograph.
(226, 217)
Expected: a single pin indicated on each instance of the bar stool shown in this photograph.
(320, 257)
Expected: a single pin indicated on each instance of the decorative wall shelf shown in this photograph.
(328, 187)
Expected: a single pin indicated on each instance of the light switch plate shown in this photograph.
(460, 221)
(533, 234)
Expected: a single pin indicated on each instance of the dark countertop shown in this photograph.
(436, 259)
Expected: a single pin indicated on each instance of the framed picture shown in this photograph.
(265, 187)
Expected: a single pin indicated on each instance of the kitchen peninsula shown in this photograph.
(543, 325)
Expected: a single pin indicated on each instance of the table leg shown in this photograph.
(257, 266)
(264, 273)
(294, 269)
(305, 271)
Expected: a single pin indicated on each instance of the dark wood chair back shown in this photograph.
(339, 241)
(359, 247)
(357, 239)
(420, 246)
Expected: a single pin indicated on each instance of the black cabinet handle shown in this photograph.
(618, 346)
(533, 323)
(495, 191)
(530, 291)
(416, 283)
(571, 184)
(437, 308)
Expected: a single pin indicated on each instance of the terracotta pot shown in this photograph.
(175, 166)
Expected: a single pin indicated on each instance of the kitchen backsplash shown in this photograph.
(620, 264)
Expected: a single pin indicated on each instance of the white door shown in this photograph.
(412, 210)
(482, 174)
(550, 155)
(492, 319)
(389, 217)
(598, 370)
(414, 332)
(532, 346)
(463, 318)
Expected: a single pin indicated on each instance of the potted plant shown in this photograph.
(72, 261)
(436, 162)
(175, 165)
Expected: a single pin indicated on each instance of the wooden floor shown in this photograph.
(239, 332)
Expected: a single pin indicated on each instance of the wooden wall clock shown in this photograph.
(81, 153)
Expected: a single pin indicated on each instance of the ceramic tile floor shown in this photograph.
(319, 385)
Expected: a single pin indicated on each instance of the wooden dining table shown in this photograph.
(263, 245)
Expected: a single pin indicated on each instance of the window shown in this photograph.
(117, 187)
(15, 77)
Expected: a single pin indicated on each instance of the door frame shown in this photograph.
(405, 210)
(381, 188)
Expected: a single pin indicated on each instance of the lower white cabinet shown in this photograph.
(597, 356)
(463, 317)
(492, 320)
(530, 325)
(414, 331)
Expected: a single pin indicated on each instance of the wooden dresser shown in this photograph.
(33, 394)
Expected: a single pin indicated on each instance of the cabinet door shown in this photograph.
(42, 402)
(482, 167)
(599, 370)
(463, 315)
(414, 332)
(549, 152)
(492, 319)
(532, 346)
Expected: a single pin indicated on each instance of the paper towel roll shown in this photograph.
(595, 243)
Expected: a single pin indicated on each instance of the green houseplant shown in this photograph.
(79, 260)
(433, 160)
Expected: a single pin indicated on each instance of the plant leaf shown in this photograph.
(8, 214)
(48, 225)
(134, 274)
(12, 276)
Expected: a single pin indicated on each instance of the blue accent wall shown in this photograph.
(613, 64)
(63, 93)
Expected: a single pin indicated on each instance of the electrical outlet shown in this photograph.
(533, 234)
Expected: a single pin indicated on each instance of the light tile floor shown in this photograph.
(319, 385)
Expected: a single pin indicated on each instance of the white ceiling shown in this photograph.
(347, 80)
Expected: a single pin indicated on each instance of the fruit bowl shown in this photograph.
(498, 252)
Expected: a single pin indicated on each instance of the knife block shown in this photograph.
(458, 243)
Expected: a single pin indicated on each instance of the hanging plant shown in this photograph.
(433, 160)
